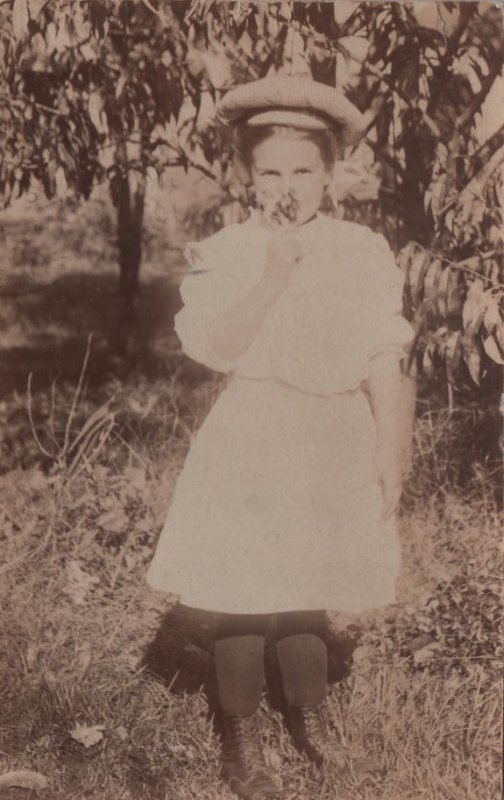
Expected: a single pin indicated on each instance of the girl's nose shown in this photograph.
(286, 184)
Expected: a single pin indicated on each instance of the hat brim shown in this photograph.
(295, 119)
(268, 101)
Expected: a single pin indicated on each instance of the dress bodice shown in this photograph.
(341, 307)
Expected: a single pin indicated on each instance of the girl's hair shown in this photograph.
(246, 137)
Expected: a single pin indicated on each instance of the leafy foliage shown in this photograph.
(421, 85)
(118, 91)
(81, 78)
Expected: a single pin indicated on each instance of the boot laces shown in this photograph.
(313, 724)
(246, 745)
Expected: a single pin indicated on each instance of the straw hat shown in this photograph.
(292, 100)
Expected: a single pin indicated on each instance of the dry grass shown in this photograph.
(417, 717)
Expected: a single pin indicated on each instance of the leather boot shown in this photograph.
(243, 765)
(307, 728)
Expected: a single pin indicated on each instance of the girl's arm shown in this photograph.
(232, 331)
(385, 388)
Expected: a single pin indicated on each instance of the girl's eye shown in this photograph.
(303, 171)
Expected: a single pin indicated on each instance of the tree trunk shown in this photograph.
(129, 202)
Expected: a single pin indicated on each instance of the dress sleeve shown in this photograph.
(382, 325)
(206, 290)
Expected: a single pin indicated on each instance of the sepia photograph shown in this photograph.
(251, 399)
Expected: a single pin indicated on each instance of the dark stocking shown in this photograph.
(302, 657)
(239, 662)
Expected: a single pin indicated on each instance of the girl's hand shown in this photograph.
(283, 253)
(388, 471)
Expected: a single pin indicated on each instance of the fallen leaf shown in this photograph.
(114, 520)
(273, 759)
(43, 742)
(87, 736)
(131, 662)
(426, 654)
(84, 654)
(122, 732)
(338, 757)
(24, 779)
(31, 656)
(36, 480)
(362, 653)
(130, 560)
(136, 477)
(79, 582)
(419, 642)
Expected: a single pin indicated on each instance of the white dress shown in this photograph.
(277, 507)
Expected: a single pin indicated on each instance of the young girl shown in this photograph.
(285, 504)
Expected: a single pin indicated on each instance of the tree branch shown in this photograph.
(480, 178)
(486, 151)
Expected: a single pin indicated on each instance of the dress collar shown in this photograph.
(255, 220)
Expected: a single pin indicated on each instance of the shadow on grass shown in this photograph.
(46, 331)
(180, 655)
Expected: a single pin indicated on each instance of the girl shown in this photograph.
(285, 504)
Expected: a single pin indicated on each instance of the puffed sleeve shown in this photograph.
(209, 287)
(381, 325)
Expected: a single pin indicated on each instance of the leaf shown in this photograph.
(114, 521)
(87, 736)
(426, 654)
(442, 293)
(273, 759)
(492, 317)
(405, 255)
(247, 45)
(79, 582)
(453, 355)
(198, 10)
(98, 17)
(343, 9)
(493, 350)
(362, 653)
(356, 46)
(96, 114)
(419, 642)
(428, 361)
(121, 732)
(474, 306)
(24, 779)
(135, 477)
(471, 346)
(84, 655)
(218, 69)
(431, 283)
(20, 18)
(31, 656)
(454, 294)
(35, 7)
(348, 178)
(61, 182)
(35, 480)
(418, 267)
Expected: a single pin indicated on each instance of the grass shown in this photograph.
(416, 692)
(417, 716)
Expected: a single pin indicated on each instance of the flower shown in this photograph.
(278, 210)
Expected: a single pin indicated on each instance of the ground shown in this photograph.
(415, 698)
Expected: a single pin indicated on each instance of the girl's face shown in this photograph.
(281, 165)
